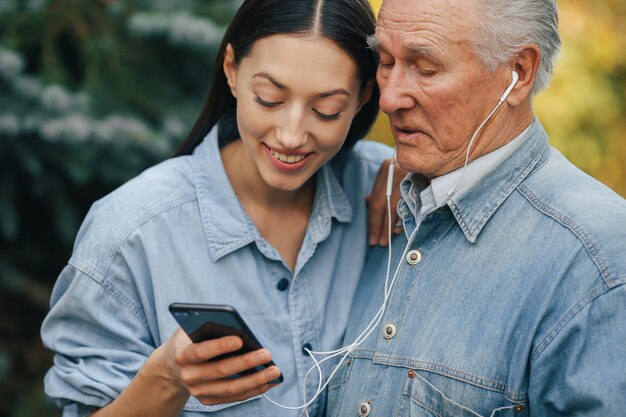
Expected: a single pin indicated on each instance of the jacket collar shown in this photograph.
(226, 224)
(474, 208)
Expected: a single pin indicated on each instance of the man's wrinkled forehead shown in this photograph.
(423, 26)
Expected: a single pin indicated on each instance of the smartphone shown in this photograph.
(211, 321)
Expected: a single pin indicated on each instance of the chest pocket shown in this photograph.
(422, 399)
(337, 387)
(249, 407)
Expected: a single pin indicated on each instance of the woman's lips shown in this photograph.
(285, 160)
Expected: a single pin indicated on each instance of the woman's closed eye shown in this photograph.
(264, 103)
(327, 117)
(321, 115)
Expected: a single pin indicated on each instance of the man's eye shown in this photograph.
(385, 68)
(325, 116)
(264, 103)
(427, 72)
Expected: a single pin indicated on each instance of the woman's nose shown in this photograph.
(293, 132)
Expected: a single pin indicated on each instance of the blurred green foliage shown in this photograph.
(93, 92)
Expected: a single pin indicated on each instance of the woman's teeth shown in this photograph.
(288, 159)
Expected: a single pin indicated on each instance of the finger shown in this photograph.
(201, 352)
(398, 230)
(375, 225)
(236, 398)
(384, 236)
(241, 386)
(377, 205)
(225, 368)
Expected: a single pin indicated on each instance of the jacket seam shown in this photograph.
(443, 370)
(577, 230)
(115, 292)
(590, 297)
(101, 272)
(150, 214)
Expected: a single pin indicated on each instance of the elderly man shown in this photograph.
(509, 297)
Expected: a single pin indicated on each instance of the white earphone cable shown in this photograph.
(373, 324)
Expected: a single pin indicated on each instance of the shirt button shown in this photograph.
(283, 284)
(306, 346)
(389, 331)
(364, 409)
(413, 257)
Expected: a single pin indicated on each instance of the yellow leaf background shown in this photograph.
(584, 109)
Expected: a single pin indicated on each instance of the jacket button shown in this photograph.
(519, 408)
(364, 409)
(413, 257)
(389, 331)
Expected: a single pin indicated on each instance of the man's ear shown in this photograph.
(526, 64)
(230, 69)
(366, 94)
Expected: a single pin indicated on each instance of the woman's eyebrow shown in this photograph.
(280, 85)
(267, 76)
(334, 92)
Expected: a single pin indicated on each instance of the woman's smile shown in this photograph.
(286, 160)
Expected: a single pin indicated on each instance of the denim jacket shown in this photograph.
(509, 301)
(177, 233)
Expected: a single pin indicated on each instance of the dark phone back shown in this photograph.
(211, 321)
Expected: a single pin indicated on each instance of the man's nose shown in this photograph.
(293, 133)
(396, 92)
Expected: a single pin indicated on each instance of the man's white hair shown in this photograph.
(504, 26)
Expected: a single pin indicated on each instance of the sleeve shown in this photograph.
(582, 371)
(100, 338)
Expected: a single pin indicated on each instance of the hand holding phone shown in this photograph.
(204, 322)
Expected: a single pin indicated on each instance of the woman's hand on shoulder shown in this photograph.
(377, 216)
(190, 366)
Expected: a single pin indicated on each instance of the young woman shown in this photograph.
(263, 210)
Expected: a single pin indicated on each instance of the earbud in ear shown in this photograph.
(510, 88)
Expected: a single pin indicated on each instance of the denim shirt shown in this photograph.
(177, 233)
(509, 301)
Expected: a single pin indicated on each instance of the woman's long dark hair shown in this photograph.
(346, 22)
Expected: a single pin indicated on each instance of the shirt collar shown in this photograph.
(226, 224)
(474, 171)
(489, 185)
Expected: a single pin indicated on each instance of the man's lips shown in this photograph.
(404, 132)
(407, 130)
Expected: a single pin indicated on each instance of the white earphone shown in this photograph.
(510, 88)
(344, 351)
(515, 76)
